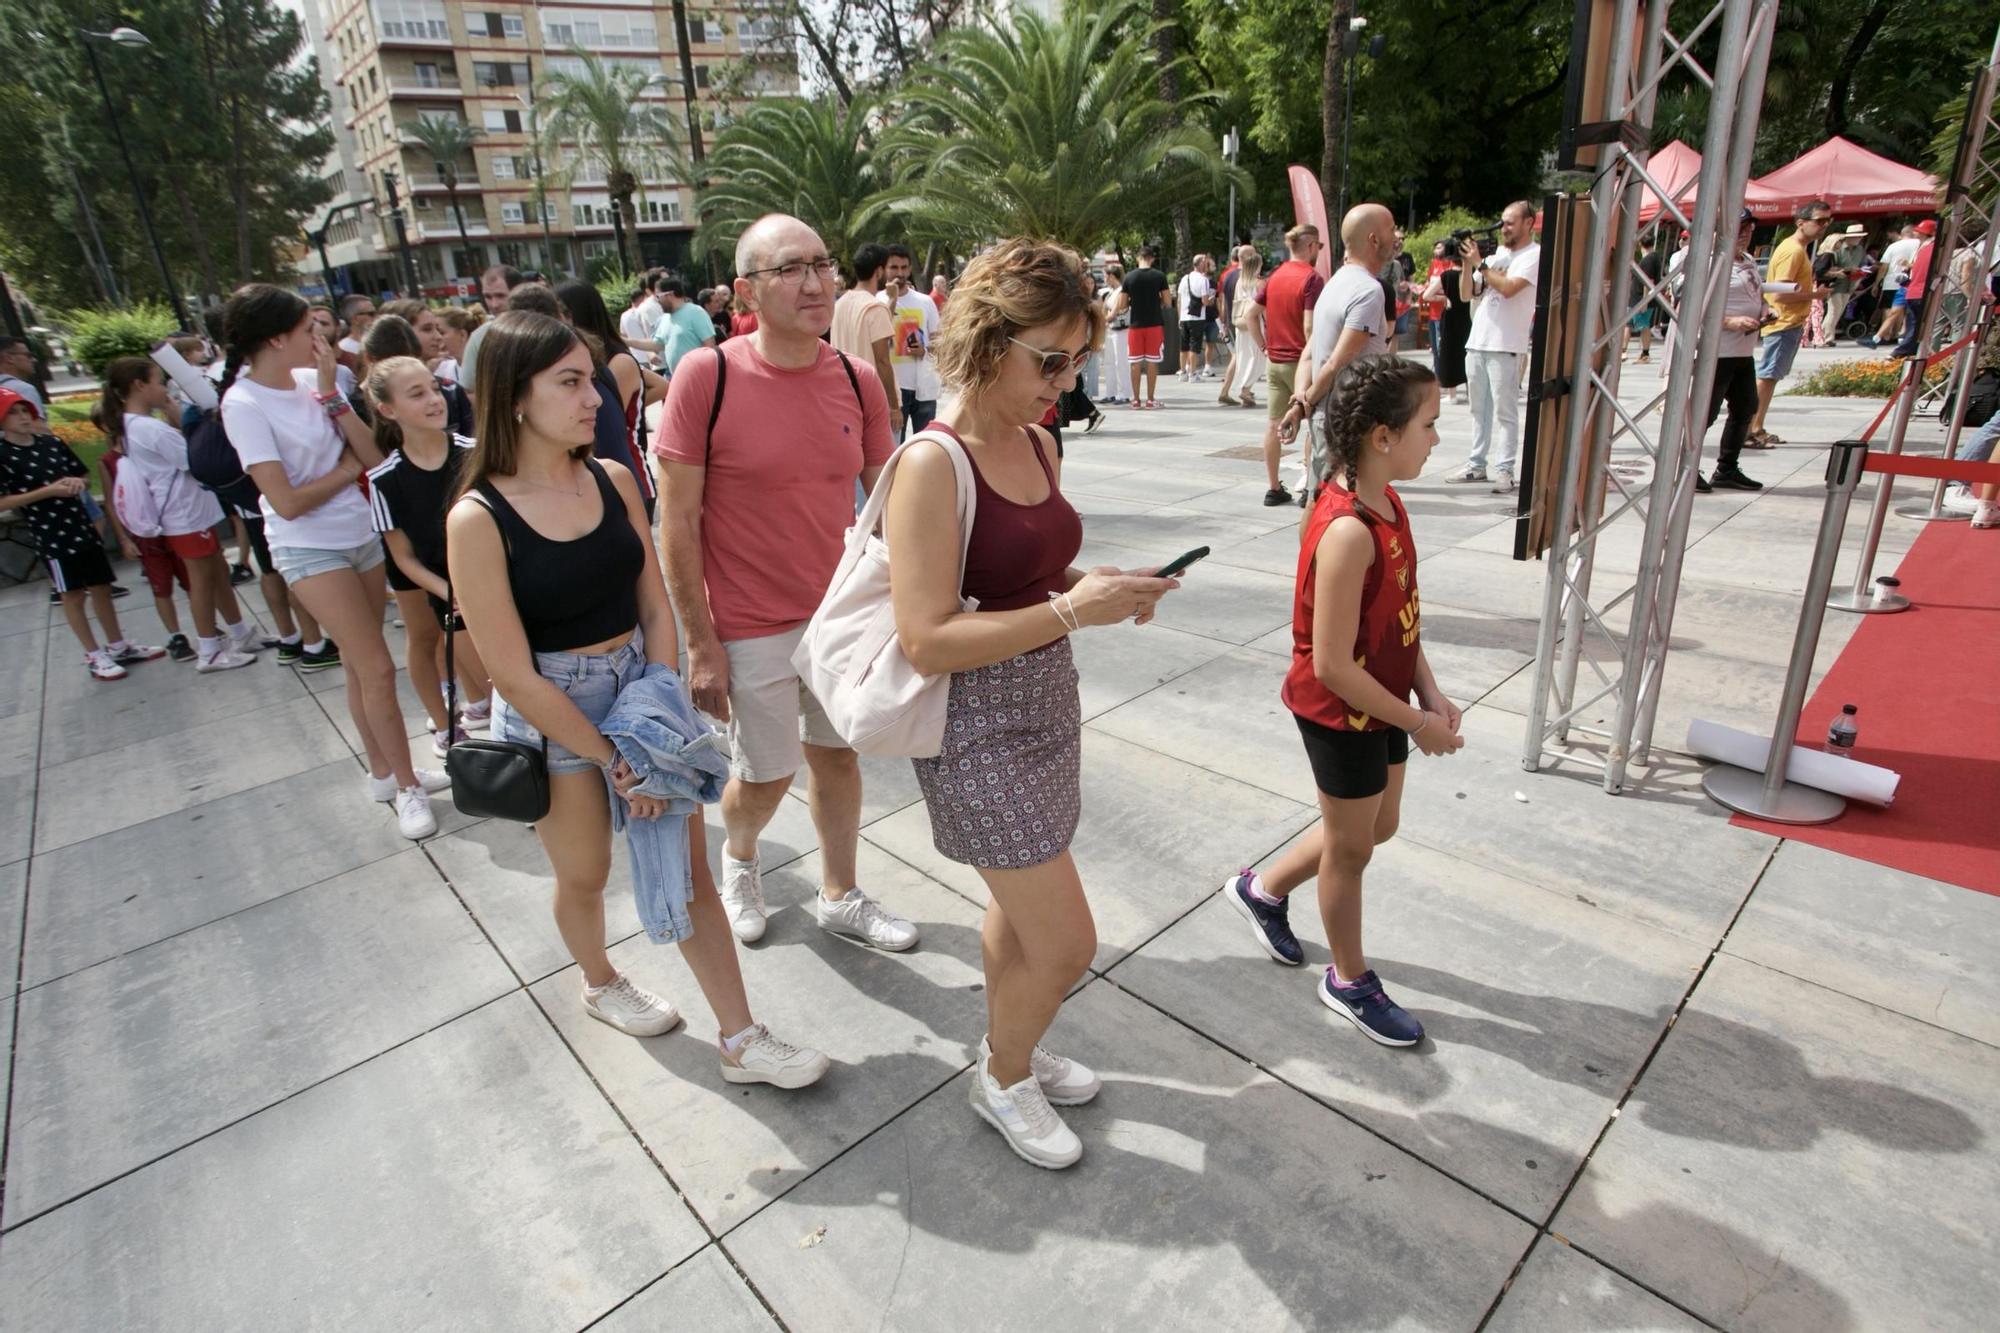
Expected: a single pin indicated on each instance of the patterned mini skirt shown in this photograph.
(1004, 793)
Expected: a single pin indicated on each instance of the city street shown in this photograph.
(273, 1067)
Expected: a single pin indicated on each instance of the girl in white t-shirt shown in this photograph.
(154, 455)
(301, 443)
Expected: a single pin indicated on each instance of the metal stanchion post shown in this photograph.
(1767, 795)
(1862, 598)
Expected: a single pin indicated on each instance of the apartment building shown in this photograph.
(391, 62)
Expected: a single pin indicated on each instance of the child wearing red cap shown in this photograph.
(40, 476)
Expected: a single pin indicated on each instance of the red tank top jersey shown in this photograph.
(1386, 640)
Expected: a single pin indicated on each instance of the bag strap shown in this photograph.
(451, 636)
(870, 517)
(722, 376)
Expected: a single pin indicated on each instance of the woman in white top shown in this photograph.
(301, 443)
(1117, 371)
(153, 467)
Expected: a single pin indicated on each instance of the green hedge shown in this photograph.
(99, 337)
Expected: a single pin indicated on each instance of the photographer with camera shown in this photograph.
(1501, 288)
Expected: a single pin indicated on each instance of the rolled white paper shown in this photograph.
(1812, 768)
(186, 378)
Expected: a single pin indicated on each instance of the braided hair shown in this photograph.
(1370, 391)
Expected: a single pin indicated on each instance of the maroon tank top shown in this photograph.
(1019, 553)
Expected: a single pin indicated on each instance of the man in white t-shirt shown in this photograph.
(1349, 320)
(641, 317)
(357, 312)
(1502, 292)
(914, 328)
(1194, 296)
(1896, 261)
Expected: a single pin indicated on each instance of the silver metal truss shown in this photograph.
(1577, 628)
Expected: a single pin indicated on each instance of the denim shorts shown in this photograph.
(1774, 355)
(591, 680)
(302, 562)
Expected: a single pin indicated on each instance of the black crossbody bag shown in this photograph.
(491, 779)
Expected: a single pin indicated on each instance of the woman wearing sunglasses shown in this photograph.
(1003, 794)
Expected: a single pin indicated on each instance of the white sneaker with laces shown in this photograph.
(1065, 1082)
(384, 789)
(762, 1058)
(225, 659)
(413, 813)
(1987, 515)
(250, 642)
(630, 1008)
(858, 916)
(1503, 482)
(1025, 1119)
(742, 892)
(101, 665)
(1961, 500)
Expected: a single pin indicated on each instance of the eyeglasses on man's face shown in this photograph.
(1054, 364)
(794, 272)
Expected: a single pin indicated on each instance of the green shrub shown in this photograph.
(1862, 379)
(1440, 228)
(613, 283)
(99, 337)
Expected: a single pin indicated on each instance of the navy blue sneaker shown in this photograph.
(1271, 925)
(1370, 1009)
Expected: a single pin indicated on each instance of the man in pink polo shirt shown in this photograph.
(759, 492)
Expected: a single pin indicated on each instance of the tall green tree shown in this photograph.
(814, 160)
(448, 140)
(601, 110)
(1054, 130)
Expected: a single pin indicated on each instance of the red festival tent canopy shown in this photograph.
(1849, 177)
(1677, 168)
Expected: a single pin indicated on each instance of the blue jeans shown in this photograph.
(917, 412)
(1494, 383)
(1979, 449)
(1912, 317)
(591, 680)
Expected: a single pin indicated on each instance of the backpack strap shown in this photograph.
(715, 407)
(854, 382)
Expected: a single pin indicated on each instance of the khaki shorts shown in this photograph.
(771, 711)
(1282, 379)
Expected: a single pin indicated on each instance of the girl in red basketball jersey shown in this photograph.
(1357, 658)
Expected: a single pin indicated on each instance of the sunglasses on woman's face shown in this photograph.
(1055, 364)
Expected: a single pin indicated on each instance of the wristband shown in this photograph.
(336, 407)
(1425, 714)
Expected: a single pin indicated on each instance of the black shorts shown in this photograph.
(398, 580)
(1352, 765)
(260, 548)
(88, 568)
(439, 611)
(1192, 331)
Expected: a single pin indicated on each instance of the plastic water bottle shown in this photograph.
(1840, 737)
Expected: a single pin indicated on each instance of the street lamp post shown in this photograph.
(133, 37)
(389, 179)
(541, 181)
(1232, 144)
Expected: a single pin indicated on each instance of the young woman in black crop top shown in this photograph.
(563, 597)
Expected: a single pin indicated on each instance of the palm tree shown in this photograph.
(1053, 130)
(446, 138)
(601, 111)
(813, 160)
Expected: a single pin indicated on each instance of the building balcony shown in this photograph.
(410, 85)
(430, 180)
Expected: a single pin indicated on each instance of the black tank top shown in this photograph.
(572, 594)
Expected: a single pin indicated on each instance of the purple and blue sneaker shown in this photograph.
(1369, 1008)
(1271, 925)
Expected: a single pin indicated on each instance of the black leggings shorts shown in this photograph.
(1352, 765)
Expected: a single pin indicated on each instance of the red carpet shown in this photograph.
(1927, 681)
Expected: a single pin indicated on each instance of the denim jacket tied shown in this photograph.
(679, 760)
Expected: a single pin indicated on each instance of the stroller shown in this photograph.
(1858, 320)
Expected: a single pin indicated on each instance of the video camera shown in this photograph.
(1488, 241)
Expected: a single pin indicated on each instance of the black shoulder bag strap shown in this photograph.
(451, 618)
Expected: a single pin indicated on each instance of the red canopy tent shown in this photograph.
(1849, 177)
(1677, 168)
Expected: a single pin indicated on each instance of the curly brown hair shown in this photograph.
(1370, 391)
(1018, 284)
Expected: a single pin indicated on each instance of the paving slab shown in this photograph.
(1539, 1012)
(1146, 485)
(13, 912)
(1156, 837)
(887, 785)
(130, 785)
(87, 717)
(128, 888)
(1217, 600)
(896, 1026)
(20, 738)
(133, 1058)
(1905, 943)
(23, 658)
(416, 723)
(703, 1293)
(1118, 666)
(1164, 532)
(471, 1179)
(1562, 1290)
(1225, 716)
(1851, 1146)
(1181, 1214)
(28, 615)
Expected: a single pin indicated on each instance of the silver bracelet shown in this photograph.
(1071, 622)
(1425, 714)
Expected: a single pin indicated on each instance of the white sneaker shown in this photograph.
(442, 741)
(743, 897)
(413, 813)
(250, 642)
(224, 659)
(101, 665)
(1503, 482)
(384, 789)
(1961, 500)
(1025, 1119)
(1987, 515)
(762, 1058)
(630, 1008)
(476, 717)
(858, 917)
(1065, 1082)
